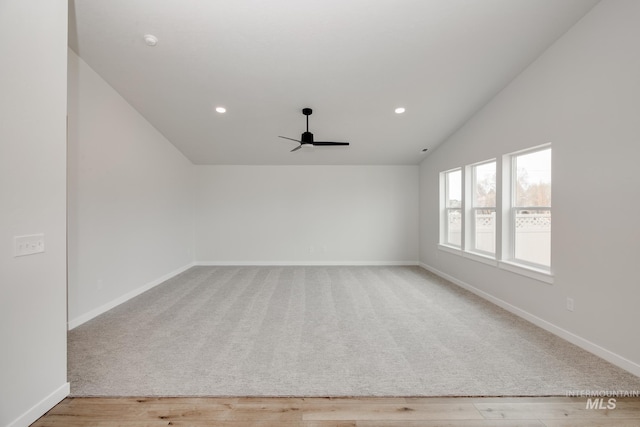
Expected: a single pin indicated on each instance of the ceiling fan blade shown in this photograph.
(329, 143)
(285, 137)
(296, 149)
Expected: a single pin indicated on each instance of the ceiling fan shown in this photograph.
(307, 137)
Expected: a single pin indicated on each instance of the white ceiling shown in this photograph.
(352, 61)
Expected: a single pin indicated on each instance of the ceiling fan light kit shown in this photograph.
(306, 139)
(150, 40)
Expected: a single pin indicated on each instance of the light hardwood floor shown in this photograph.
(340, 412)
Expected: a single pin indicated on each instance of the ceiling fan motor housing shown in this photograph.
(306, 138)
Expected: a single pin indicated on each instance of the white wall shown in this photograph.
(583, 95)
(307, 214)
(130, 199)
(33, 359)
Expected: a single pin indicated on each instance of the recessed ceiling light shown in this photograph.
(221, 110)
(150, 40)
(400, 110)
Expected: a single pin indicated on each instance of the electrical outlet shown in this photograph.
(570, 304)
(28, 245)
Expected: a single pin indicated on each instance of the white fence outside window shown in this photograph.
(532, 234)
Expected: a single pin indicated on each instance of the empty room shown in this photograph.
(320, 213)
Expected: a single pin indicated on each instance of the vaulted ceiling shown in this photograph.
(352, 61)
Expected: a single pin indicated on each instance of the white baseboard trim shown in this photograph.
(304, 263)
(124, 298)
(583, 343)
(42, 407)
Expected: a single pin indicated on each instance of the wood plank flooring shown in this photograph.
(340, 412)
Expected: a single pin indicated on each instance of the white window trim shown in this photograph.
(503, 257)
(480, 257)
(449, 248)
(541, 275)
(469, 184)
(507, 254)
(444, 210)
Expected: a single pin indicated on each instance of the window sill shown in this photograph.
(485, 259)
(524, 270)
(451, 249)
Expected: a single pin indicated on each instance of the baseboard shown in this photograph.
(124, 298)
(583, 343)
(42, 407)
(303, 263)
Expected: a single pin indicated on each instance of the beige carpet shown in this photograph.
(323, 331)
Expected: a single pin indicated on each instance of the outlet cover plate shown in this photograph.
(570, 304)
(28, 245)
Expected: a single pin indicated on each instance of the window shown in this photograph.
(452, 221)
(530, 210)
(499, 212)
(483, 208)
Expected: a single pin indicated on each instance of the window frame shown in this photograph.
(445, 209)
(505, 230)
(471, 243)
(511, 209)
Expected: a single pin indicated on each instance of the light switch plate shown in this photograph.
(28, 245)
(570, 305)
